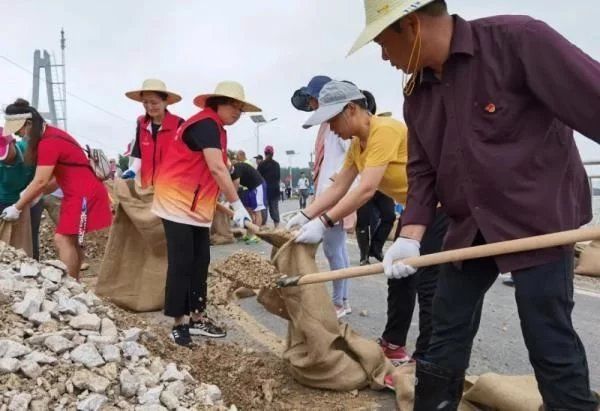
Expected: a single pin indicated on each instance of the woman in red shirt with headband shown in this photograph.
(155, 130)
(85, 206)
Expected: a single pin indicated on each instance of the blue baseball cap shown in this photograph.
(301, 97)
(315, 85)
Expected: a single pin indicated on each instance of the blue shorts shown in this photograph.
(256, 198)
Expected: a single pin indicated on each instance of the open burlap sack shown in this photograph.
(52, 207)
(220, 230)
(134, 267)
(490, 392)
(18, 233)
(589, 260)
(321, 352)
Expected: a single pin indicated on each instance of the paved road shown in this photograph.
(498, 347)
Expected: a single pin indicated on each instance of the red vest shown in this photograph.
(184, 189)
(153, 152)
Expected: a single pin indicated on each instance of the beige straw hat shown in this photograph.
(156, 86)
(231, 89)
(381, 14)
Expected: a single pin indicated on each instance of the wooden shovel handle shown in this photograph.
(248, 224)
(462, 254)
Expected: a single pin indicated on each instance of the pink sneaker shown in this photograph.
(395, 353)
(340, 311)
(388, 381)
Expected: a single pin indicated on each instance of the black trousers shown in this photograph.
(378, 215)
(188, 257)
(402, 293)
(544, 296)
(273, 206)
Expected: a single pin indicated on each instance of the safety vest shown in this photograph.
(153, 152)
(184, 189)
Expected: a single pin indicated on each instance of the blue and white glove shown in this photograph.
(312, 232)
(401, 249)
(10, 213)
(299, 220)
(240, 214)
(132, 171)
(128, 175)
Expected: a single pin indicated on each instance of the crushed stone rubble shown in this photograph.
(248, 269)
(60, 349)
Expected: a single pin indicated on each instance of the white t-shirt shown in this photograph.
(302, 183)
(334, 154)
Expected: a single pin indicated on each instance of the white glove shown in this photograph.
(10, 213)
(312, 232)
(401, 249)
(240, 215)
(298, 220)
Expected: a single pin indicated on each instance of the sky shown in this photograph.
(272, 47)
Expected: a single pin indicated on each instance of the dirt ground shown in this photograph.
(249, 376)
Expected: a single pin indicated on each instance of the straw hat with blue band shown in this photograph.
(381, 14)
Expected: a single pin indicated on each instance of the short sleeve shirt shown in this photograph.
(72, 171)
(202, 134)
(249, 177)
(386, 146)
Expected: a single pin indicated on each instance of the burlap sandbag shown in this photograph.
(18, 233)
(589, 260)
(490, 392)
(321, 352)
(220, 230)
(134, 267)
(52, 207)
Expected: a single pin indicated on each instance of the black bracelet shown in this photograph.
(328, 221)
(305, 215)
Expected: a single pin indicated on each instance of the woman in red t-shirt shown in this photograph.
(85, 206)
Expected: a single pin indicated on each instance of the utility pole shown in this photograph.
(56, 96)
(63, 43)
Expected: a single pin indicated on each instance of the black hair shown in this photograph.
(21, 106)
(163, 96)
(371, 105)
(216, 101)
(436, 8)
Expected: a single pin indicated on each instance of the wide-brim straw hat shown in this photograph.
(231, 89)
(380, 14)
(154, 85)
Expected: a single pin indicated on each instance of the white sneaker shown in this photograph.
(340, 312)
(347, 307)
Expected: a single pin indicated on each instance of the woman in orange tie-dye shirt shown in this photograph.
(190, 179)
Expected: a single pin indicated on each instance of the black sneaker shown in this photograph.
(378, 255)
(207, 328)
(181, 335)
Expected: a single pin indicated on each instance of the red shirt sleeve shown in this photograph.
(47, 153)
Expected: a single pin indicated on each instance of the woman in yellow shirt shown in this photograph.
(378, 154)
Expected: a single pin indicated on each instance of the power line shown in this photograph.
(97, 107)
